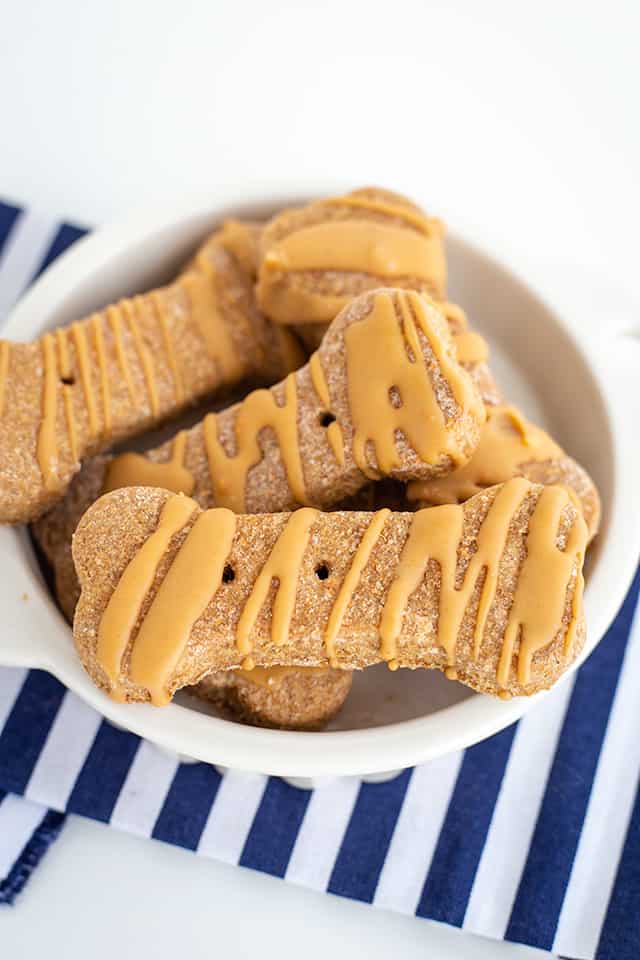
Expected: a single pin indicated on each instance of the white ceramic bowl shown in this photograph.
(390, 721)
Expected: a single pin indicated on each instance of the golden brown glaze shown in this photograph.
(490, 590)
(511, 446)
(315, 259)
(121, 371)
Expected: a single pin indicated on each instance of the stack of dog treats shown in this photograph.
(377, 500)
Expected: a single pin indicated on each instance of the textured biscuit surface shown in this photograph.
(535, 568)
(124, 369)
(286, 698)
(303, 278)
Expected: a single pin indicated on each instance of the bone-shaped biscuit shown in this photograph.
(337, 424)
(84, 387)
(489, 591)
(384, 395)
(313, 259)
(288, 698)
(511, 446)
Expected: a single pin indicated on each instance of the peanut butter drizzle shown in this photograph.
(105, 390)
(293, 356)
(47, 443)
(350, 582)
(282, 565)
(115, 322)
(84, 365)
(123, 608)
(531, 621)
(534, 618)
(268, 676)
(161, 311)
(435, 535)
(66, 371)
(419, 221)
(66, 374)
(377, 359)
(129, 309)
(507, 441)
(4, 370)
(194, 576)
(257, 411)
(241, 241)
(354, 246)
(334, 433)
(136, 470)
(471, 347)
(200, 290)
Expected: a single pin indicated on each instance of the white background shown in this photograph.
(518, 119)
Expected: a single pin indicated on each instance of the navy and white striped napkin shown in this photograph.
(531, 836)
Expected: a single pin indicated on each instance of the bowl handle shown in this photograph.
(33, 629)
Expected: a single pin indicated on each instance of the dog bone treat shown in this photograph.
(242, 239)
(331, 426)
(54, 531)
(472, 349)
(113, 375)
(383, 395)
(489, 591)
(316, 258)
(511, 446)
(287, 698)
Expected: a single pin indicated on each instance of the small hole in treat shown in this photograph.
(322, 571)
(326, 419)
(68, 381)
(228, 574)
(394, 397)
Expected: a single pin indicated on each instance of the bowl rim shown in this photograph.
(343, 752)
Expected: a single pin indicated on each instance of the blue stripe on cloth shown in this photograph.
(187, 805)
(544, 880)
(366, 840)
(275, 827)
(455, 860)
(8, 218)
(620, 934)
(66, 235)
(27, 727)
(104, 770)
(41, 839)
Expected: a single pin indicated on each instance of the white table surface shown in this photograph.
(517, 121)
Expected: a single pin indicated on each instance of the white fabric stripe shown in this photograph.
(22, 254)
(607, 818)
(231, 815)
(321, 831)
(18, 819)
(515, 814)
(416, 834)
(11, 680)
(65, 750)
(144, 790)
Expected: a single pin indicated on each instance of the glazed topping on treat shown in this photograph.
(518, 607)
(363, 200)
(507, 441)
(121, 370)
(367, 234)
(132, 469)
(384, 360)
(205, 309)
(388, 363)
